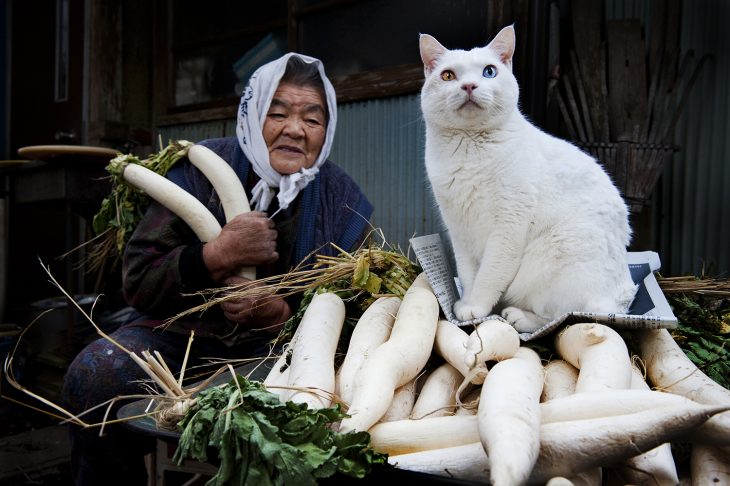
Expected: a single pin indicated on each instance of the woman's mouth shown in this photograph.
(290, 149)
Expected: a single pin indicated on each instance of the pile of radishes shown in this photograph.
(478, 404)
(491, 411)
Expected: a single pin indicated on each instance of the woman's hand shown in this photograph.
(247, 240)
(268, 313)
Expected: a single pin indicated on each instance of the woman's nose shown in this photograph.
(294, 127)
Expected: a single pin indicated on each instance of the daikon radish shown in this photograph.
(560, 481)
(438, 393)
(587, 405)
(371, 330)
(669, 369)
(277, 379)
(571, 447)
(226, 183)
(174, 198)
(409, 435)
(654, 467)
(466, 462)
(509, 416)
(560, 380)
(421, 281)
(599, 353)
(313, 353)
(492, 340)
(567, 448)
(709, 465)
(402, 404)
(223, 178)
(395, 362)
(606, 403)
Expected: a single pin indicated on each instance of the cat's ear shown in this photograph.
(504, 44)
(431, 51)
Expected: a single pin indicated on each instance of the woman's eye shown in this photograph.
(490, 71)
(314, 121)
(448, 75)
(278, 116)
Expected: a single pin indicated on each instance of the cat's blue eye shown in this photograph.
(489, 71)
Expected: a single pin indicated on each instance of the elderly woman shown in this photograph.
(301, 203)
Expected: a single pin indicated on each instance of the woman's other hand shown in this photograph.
(268, 312)
(247, 240)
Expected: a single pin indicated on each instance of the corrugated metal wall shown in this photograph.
(691, 205)
(380, 144)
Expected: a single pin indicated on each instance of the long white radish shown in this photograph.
(571, 447)
(709, 465)
(223, 178)
(588, 405)
(421, 281)
(409, 435)
(654, 467)
(174, 198)
(226, 183)
(599, 353)
(313, 354)
(395, 362)
(402, 404)
(438, 393)
(371, 330)
(467, 462)
(669, 369)
(567, 448)
(509, 416)
(560, 380)
(606, 403)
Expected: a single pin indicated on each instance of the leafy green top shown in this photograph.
(262, 441)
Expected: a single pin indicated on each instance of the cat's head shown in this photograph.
(473, 90)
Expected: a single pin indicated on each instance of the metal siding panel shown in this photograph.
(691, 207)
(697, 201)
(380, 143)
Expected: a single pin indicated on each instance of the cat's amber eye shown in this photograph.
(490, 71)
(448, 75)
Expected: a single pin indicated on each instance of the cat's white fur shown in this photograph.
(537, 227)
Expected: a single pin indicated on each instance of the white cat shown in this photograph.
(537, 227)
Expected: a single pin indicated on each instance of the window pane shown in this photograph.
(214, 47)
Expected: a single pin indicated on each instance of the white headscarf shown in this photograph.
(252, 111)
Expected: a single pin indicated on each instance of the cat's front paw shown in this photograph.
(522, 321)
(466, 311)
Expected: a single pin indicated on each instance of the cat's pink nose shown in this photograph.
(469, 88)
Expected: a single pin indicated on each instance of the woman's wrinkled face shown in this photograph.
(295, 128)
